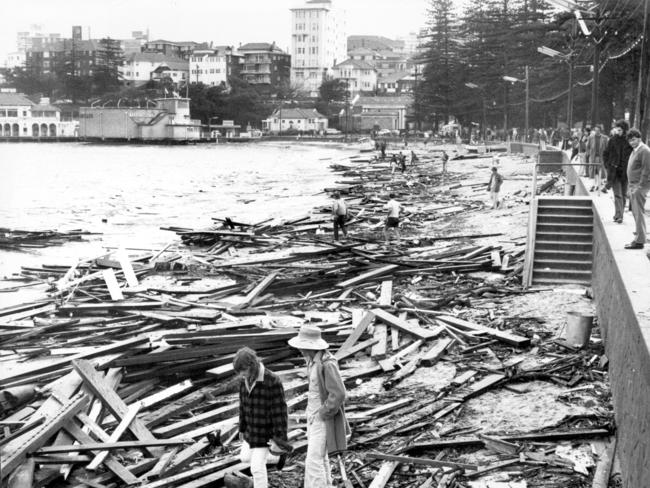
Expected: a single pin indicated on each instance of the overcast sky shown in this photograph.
(222, 21)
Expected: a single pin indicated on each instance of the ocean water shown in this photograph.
(127, 192)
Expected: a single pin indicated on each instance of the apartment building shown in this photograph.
(265, 65)
(318, 42)
(215, 66)
(359, 76)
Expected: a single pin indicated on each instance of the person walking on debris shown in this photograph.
(327, 426)
(595, 146)
(445, 158)
(414, 158)
(392, 220)
(638, 176)
(382, 148)
(402, 161)
(393, 164)
(616, 156)
(263, 416)
(494, 186)
(339, 215)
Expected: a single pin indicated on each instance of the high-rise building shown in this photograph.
(318, 42)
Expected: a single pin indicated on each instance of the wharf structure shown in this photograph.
(169, 121)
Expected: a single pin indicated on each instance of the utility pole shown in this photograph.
(527, 101)
(596, 69)
(638, 120)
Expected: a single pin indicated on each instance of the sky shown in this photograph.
(225, 22)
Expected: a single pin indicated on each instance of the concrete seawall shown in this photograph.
(621, 286)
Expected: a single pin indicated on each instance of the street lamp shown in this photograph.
(474, 86)
(526, 80)
(568, 58)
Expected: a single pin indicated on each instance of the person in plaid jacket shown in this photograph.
(262, 416)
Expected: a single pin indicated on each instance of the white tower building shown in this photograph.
(318, 42)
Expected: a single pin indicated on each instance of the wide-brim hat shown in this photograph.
(309, 337)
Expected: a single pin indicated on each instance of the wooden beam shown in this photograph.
(422, 461)
(604, 466)
(403, 325)
(358, 331)
(189, 474)
(378, 351)
(258, 290)
(111, 400)
(370, 275)
(116, 435)
(355, 349)
(507, 337)
(386, 295)
(431, 357)
(101, 446)
(383, 475)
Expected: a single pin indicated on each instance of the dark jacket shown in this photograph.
(615, 156)
(638, 170)
(497, 183)
(263, 411)
(332, 394)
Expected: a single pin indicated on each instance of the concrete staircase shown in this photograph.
(563, 239)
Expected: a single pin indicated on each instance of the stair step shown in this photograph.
(564, 210)
(564, 219)
(562, 264)
(564, 227)
(554, 274)
(560, 281)
(582, 256)
(572, 202)
(585, 237)
(564, 246)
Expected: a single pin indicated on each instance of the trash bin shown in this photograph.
(578, 328)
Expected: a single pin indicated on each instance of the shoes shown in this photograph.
(634, 245)
(592, 188)
(618, 221)
(603, 190)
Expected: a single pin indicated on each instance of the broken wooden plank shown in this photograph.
(383, 475)
(116, 434)
(421, 461)
(101, 446)
(197, 472)
(358, 331)
(386, 294)
(507, 337)
(355, 349)
(388, 364)
(11, 459)
(258, 290)
(370, 275)
(378, 351)
(403, 325)
(431, 357)
(111, 400)
(604, 466)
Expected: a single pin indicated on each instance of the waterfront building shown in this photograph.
(22, 118)
(168, 121)
(295, 120)
(265, 65)
(371, 113)
(214, 66)
(359, 76)
(396, 83)
(181, 49)
(318, 42)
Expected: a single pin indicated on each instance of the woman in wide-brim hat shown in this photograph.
(327, 427)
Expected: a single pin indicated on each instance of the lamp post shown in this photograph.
(526, 80)
(474, 86)
(569, 59)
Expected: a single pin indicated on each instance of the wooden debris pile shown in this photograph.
(25, 239)
(122, 373)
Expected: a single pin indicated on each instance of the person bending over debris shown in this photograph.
(327, 426)
(392, 220)
(339, 215)
(494, 186)
(262, 416)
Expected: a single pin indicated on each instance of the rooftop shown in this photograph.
(261, 46)
(151, 58)
(13, 99)
(298, 113)
(357, 63)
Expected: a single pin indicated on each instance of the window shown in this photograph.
(24, 113)
(12, 113)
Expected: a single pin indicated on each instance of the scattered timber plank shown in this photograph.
(383, 475)
(604, 466)
(210, 479)
(184, 457)
(204, 470)
(165, 394)
(23, 475)
(484, 384)
(358, 331)
(214, 414)
(507, 337)
(388, 364)
(422, 461)
(370, 275)
(386, 295)
(378, 351)
(116, 434)
(10, 460)
(432, 356)
(403, 325)
(258, 290)
(103, 306)
(107, 395)
(101, 446)
(355, 349)
(492, 467)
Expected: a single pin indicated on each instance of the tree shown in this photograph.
(110, 58)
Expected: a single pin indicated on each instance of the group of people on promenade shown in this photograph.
(263, 418)
(621, 163)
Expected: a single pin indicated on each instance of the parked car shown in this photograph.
(332, 132)
(383, 132)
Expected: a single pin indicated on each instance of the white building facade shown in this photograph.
(318, 42)
(209, 67)
(139, 68)
(20, 117)
(293, 120)
(360, 76)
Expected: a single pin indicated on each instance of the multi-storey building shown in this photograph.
(214, 66)
(265, 65)
(64, 54)
(359, 76)
(20, 117)
(318, 42)
(181, 49)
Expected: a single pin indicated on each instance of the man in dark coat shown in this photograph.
(616, 155)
